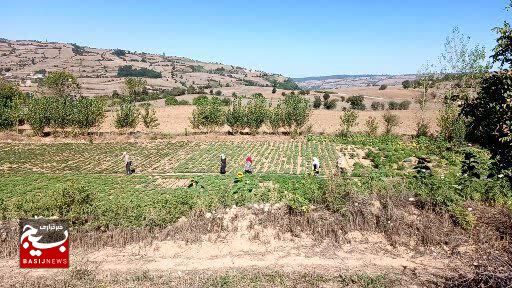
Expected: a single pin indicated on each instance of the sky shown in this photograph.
(294, 38)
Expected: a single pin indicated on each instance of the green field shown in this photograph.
(85, 182)
(291, 157)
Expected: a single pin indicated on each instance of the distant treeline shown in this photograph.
(128, 71)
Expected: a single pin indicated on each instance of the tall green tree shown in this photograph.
(61, 84)
(11, 99)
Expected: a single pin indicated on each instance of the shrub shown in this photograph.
(407, 84)
(391, 121)
(208, 115)
(317, 103)
(200, 100)
(376, 105)
(218, 93)
(356, 102)
(348, 121)
(326, 96)
(127, 116)
(393, 105)
(274, 90)
(422, 128)
(296, 112)
(275, 118)
(451, 125)
(171, 100)
(235, 117)
(149, 116)
(129, 71)
(225, 101)
(73, 202)
(176, 91)
(383, 87)
(372, 126)
(404, 105)
(330, 104)
(183, 102)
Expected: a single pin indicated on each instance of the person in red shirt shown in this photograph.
(248, 165)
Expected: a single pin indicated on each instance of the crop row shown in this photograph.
(290, 157)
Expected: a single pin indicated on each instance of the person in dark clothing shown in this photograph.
(223, 164)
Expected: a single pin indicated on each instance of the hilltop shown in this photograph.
(101, 71)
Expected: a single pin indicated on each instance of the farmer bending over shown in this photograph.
(223, 164)
(316, 165)
(248, 165)
(127, 163)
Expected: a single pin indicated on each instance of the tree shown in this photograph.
(296, 112)
(39, 114)
(348, 121)
(61, 84)
(11, 99)
(317, 103)
(209, 115)
(383, 87)
(326, 96)
(88, 113)
(464, 65)
(148, 116)
(256, 113)
(489, 119)
(127, 116)
(356, 102)
(218, 93)
(135, 87)
(275, 118)
(236, 116)
(274, 90)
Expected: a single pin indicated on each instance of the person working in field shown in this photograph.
(127, 163)
(248, 165)
(223, 164)
(316, 165)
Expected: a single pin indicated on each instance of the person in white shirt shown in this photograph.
(127, 163)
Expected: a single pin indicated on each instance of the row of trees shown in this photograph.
(291, 114)
(60, 107)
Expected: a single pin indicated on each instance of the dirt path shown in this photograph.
(366, 254)
(245, 245)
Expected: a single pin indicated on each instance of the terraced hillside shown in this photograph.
(26, 62)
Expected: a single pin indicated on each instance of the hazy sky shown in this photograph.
(295, 38)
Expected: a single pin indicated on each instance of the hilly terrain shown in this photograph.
(344, 81)
(101, 71)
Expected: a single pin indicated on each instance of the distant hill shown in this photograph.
(343, 76)
(101, 71)
(342, 81)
